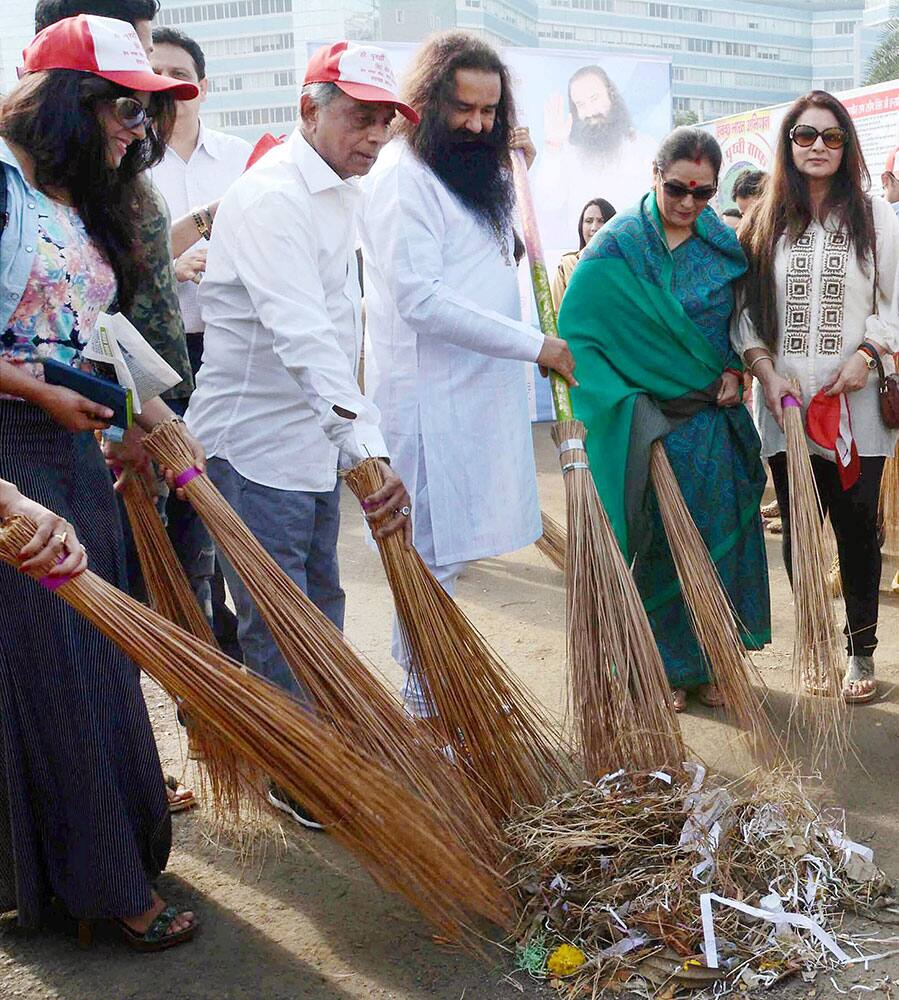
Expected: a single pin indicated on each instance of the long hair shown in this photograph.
(604, 206)
(785, 208)
(52, 116)
(429, 88)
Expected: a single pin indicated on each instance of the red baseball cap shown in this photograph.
(105, 47)
(362, 72)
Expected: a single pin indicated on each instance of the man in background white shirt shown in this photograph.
(199, 166)
(445, 356)
(277, 404)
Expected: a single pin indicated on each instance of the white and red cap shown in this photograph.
(105, 47)
(362, 72)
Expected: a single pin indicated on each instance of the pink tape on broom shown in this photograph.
(187, 476)
(789, 401)
(55, 582)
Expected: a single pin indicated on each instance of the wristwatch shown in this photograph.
(870, 361)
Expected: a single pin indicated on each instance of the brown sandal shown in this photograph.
(707, 698)
(180, 798)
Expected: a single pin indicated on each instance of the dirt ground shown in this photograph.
(298, 918)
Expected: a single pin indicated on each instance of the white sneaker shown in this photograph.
(281, 800)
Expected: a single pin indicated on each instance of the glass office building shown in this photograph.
(727, 55)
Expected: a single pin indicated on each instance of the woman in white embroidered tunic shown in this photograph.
(818, 300)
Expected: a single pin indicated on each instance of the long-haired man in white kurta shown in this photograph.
(446, 349)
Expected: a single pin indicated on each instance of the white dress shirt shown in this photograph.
(215, 164)
(825, 309)
(281, 307)
(444, 359)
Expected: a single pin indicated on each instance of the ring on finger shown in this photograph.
(405, 511)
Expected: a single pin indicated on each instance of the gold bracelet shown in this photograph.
(204, 225)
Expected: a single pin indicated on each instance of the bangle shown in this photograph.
(761, 357)
(203, 221)
(733, 371)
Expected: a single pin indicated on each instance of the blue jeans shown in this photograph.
(299, 531)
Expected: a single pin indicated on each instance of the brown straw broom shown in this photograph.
(710, 612)
(888, 506)
(167, 585)
(231, 784)
(344, 690)
(403, 840)
(480, 709)
(553, 542)
(618, 689)
(817, 654)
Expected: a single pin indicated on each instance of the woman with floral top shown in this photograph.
(83, 811)
(818, 302)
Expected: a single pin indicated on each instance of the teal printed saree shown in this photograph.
(649, 330)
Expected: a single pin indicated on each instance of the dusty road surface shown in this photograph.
(306, 923)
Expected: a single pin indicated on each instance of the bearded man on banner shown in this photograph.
(445, 350)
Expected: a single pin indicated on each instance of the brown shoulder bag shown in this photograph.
(889, 384)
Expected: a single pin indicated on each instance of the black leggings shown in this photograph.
(853, 515)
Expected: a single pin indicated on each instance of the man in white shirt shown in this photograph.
(199, 166)
(446, 349)
(277, 403)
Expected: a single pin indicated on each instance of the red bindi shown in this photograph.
(692, 184)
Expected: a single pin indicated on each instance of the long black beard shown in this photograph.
(603, 138)
(474, 171)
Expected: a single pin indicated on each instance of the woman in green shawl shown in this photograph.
(647, 316)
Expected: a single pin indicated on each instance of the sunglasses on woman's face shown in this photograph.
(130, 113)
(807, 135)
(678, 191)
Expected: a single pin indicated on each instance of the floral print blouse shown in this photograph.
(69, 285)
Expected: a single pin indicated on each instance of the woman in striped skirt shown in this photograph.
(83, 812)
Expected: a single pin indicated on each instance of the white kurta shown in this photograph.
(825, 309)
(444, 360)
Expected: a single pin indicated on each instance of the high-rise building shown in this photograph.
(16, 31)
(250, 49)
(727, 55)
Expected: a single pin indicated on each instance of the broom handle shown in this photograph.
(539, 277)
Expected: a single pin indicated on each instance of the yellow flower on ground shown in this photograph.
(565, 960)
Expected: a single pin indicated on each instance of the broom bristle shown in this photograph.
(402, 840)
(711, 614)
(553, 542)
(167, 585)
(889, 502)
(818, 660)
(232, 789)
(483, 713)
(618, 691)
(344, 690)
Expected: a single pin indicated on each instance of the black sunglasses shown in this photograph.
(674, 189)
(130, 112)
(807, 135)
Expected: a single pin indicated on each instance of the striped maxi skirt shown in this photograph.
(83, 810)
